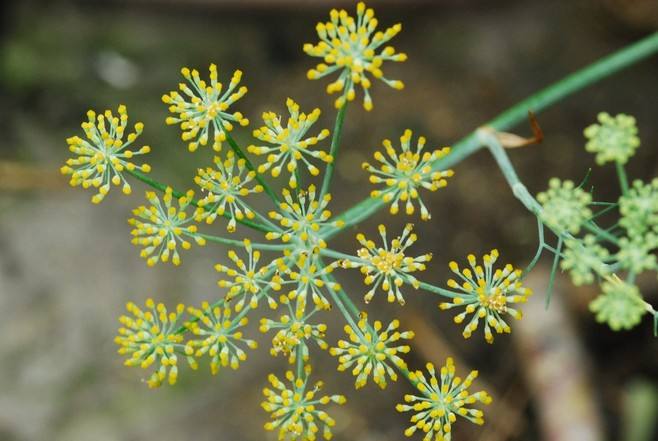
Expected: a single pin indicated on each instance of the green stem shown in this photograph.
(623, 179)
(519, 113)
(163, 187)
(259, 178)
(540, 247)
(335, 143)
(239, 243)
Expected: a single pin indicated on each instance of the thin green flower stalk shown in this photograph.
(104, 155)
(405, 172)
(218, 335)
(564, 206)
(248, 282)
(639, 208)
(150, 337)
(442, 400)
(372, 351)
(295, 410)
(290, 147)
(614, 139)
(224, 187)
(585, 259)
(486, 294)
(388, 267)
(302, 217)
(620, 305)
(160, 227)
(201, 109)
(351, 47)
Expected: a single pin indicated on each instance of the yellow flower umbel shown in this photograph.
(219, 336)
(307, 275)
(226, 185)
(295, 410)
(293, 330)
(353, 48)
(406, 172)
(388, 266)
(104, 155)
(290, 147)
(248, 282)
(369, 351)
(203, 108)
(441, 402)
(486, 294)
(150, 336)
(161, 226)
(302, 218)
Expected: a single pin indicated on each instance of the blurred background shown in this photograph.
(67, 267)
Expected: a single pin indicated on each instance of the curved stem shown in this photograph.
(518, 113)
(163, 187)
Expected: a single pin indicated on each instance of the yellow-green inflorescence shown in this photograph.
(388, 266)
(224, 187)
(247, 282)
(352, 47)
(290, 148)
(105, 154)
(201, 108)
(150, 337)
(565, 207)
(442, 400)
(620, 305)
(639, 208)
(613, 139)
(372, 351)
(161, 227)
(302, 216)
(585, 259)
(486, 294)
(405, 172)
(295, 409)
(218, 335)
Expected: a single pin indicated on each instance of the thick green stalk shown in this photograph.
(623, 179)
(519, 113)
(163, 187)
(335, 143)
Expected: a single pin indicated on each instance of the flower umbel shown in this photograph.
(388, 266)
(639, 208)
(620, 306)
(219, 336)
(352, 47)
(290, 147)
(104, 155)
(161, 226)
(294, 409)
(486, 294)
(564, 206)
(441, 402)
(406, 172)
(614, 139)
(203, 108)
(226, 185)
(248, 281)
(150, 336)
(370, 350)
(584, 259)
(293, 330)
(302, 217)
